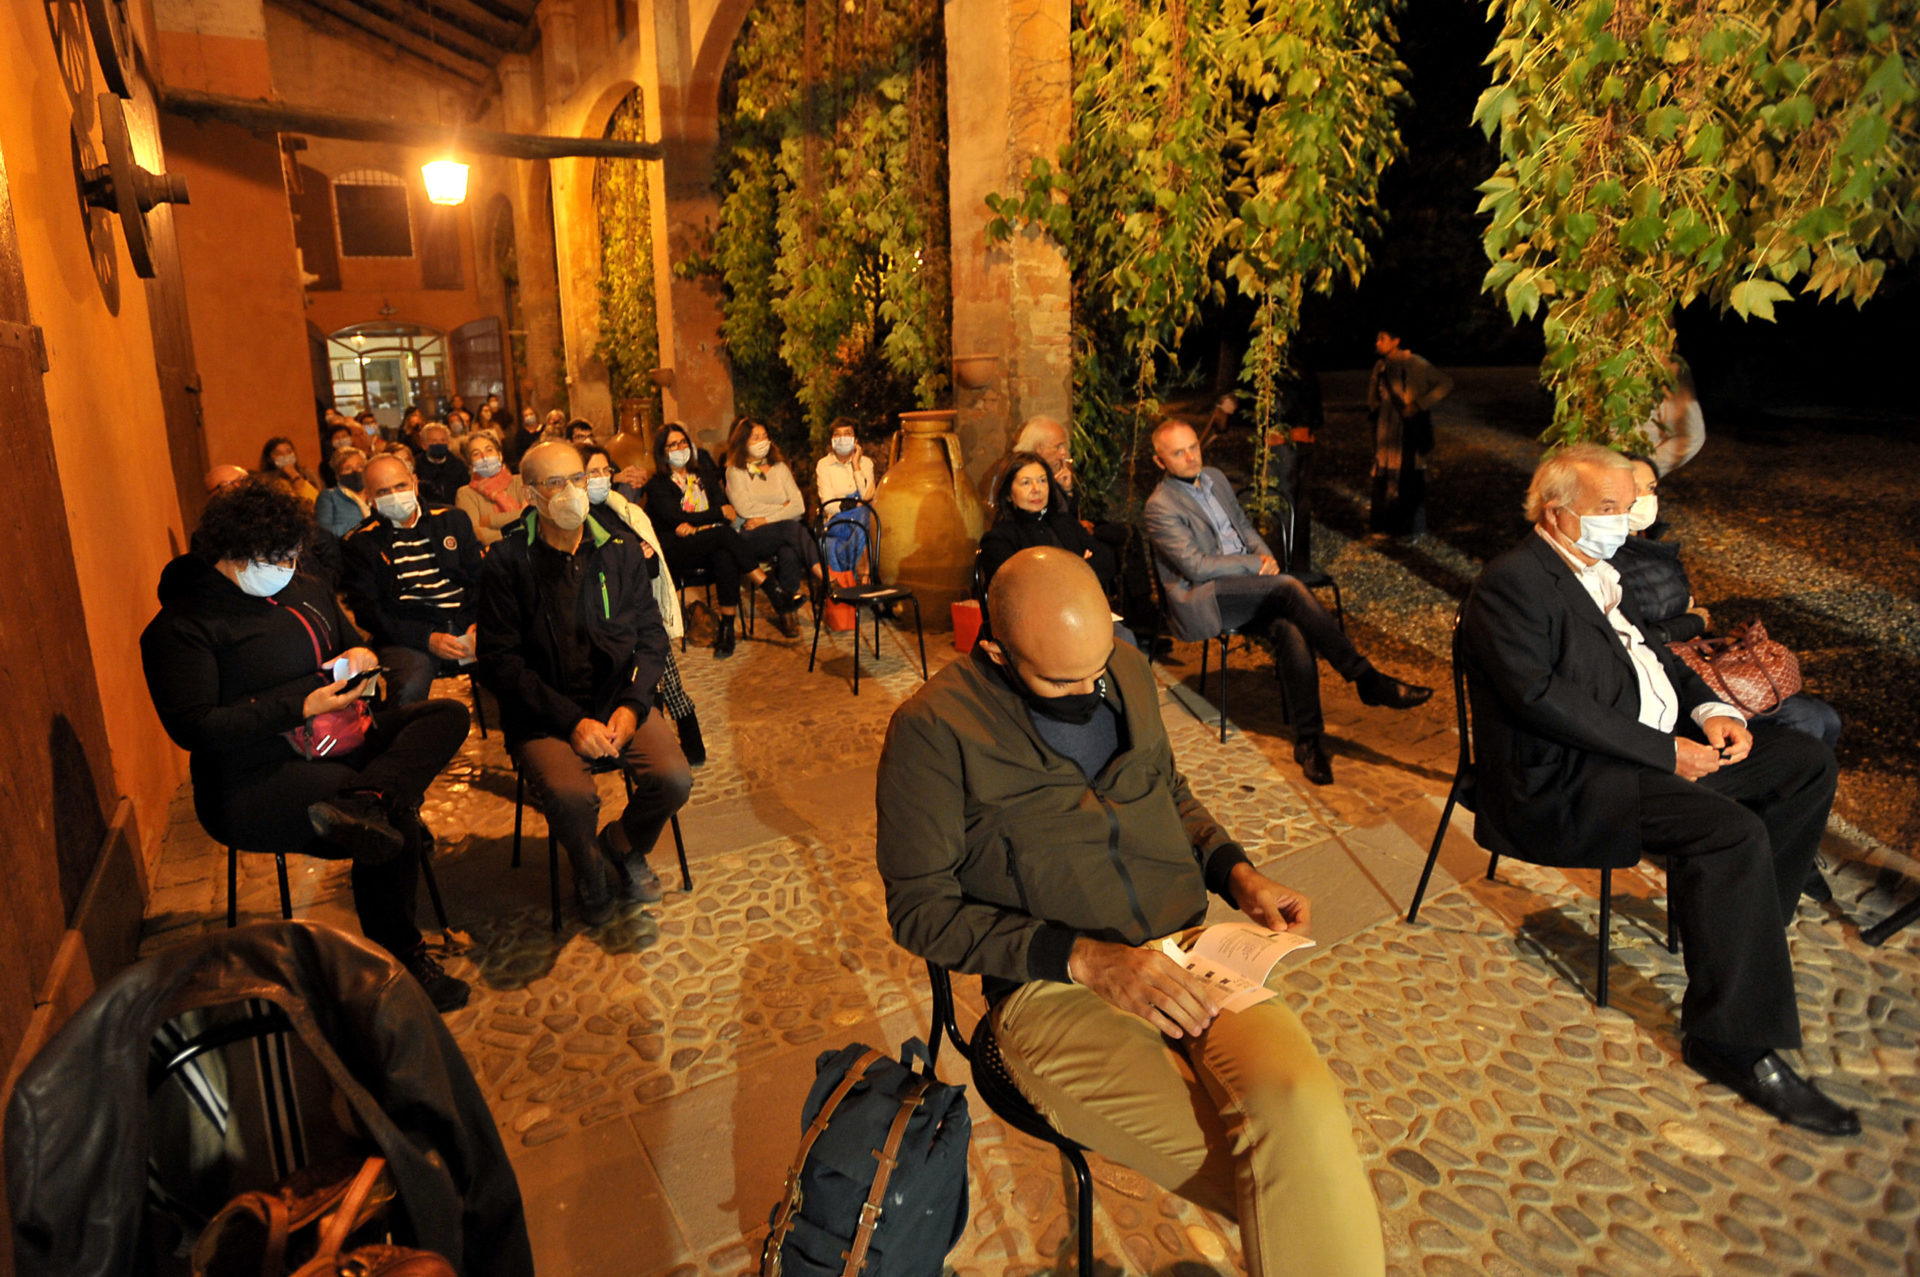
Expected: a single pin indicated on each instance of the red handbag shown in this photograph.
(1745, 669)
(338, 731)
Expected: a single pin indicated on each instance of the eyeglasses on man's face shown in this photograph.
(557, 483)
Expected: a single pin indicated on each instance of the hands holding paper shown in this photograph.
(1145, 982)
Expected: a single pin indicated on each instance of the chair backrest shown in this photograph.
(1463, 714)
(856, 535)
(1283, 520)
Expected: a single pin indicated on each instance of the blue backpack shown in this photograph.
(879, 1186)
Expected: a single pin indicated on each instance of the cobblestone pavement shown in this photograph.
(647, 1077)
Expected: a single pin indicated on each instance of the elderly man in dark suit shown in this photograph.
(1218, 574)
(1593, 748)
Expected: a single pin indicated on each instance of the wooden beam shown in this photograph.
(280, 117)
(440, 30)
(472, 69)
(484, 23)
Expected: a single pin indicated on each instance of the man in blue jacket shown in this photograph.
(572, 644)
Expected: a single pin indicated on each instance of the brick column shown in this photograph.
(1009, 86)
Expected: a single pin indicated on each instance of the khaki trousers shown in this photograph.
(1246, 1121)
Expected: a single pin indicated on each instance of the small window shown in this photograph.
(372, 210)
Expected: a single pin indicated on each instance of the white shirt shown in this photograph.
(1659, 703)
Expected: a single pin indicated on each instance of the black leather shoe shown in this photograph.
(723, 637)
(1311, 754)
(1771, 1084)
(357, 822)
(1378, 689)
(447, 993)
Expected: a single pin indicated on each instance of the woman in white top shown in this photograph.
(492, 497)
(844, 474)
(761, 489)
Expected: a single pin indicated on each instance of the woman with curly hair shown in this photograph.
(246, 651)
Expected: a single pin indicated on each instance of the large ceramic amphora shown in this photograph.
(930, 516)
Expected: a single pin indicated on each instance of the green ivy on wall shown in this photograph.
(831, 245)
(1659, 151)
(1216, 143)
(629, 343)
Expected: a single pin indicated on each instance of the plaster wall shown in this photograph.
(103, 399)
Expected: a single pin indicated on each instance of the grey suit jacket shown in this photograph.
(1187, 552)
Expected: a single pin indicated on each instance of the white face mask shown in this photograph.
(285, 460)
(1601, 534)
(263, 580)
(843, 446)
(1643, 512)
(569, 509)
(759, 450)
(486, 467)
(678, 457)
(398, 507)
(598, 488)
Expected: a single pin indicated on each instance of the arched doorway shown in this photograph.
(388, 367)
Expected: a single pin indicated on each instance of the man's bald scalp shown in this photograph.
(1045, 588)
(384, 459)
(1166, 428)
(545, 460)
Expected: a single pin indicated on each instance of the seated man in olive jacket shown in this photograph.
(572, 644)
(1034, 830)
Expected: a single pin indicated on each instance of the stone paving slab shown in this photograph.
(646, 1076)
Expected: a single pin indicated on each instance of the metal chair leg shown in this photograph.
(921, 636)
(433, 890)
(1433, 852)
(233, 888)
(519, 810)
(1339, 612)
(1606, 932)
(1223, 689)
(1493, 862)
(856, 647)
(680, 845)
(286, 893)
(1673, 930)
(819, 615)
(1083, 1208)
(479, 709)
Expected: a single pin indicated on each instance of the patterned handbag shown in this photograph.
(1746, 669)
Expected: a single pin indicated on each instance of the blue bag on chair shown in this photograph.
(879, 1185)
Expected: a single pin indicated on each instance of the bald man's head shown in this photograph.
(221, 477)
(1052, 627)
(1176, 449)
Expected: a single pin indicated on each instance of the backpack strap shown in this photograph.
(790, 1203)
(911, 1098)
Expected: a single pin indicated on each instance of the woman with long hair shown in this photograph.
(687, 502)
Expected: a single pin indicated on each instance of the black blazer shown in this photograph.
(1558, 745)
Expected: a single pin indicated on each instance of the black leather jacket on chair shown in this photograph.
(77, 1127)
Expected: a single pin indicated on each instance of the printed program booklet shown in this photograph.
(1235, 958)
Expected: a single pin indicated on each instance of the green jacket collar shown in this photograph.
(599, 534)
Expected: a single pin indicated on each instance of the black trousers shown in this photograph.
(715, 548)
(266, 808)
(1301, 630)
(1741, 841)
(783, 542)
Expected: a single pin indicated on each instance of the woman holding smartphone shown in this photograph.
(253, 669)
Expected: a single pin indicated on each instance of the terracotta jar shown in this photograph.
(632, 444)
(930, 516)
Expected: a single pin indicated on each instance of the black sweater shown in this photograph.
(661, 498)
(1652, 575)
(228, 672)
(1016, 530)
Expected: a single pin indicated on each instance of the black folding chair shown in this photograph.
(598, 767)
(1313, 578)
(1460, 793)
(1225, 637)
(861, 537)
(995, 1085)
(692, 579)
(286, 891)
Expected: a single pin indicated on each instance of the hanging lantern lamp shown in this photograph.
(446, 181)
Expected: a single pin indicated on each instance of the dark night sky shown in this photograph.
(1830, 359)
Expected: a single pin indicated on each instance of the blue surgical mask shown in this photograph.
(598, 488)
(263, 580)
(843, 446)
(398, 507)
(1601, 534)
(679, 456)
(486, 467)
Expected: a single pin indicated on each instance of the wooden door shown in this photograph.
(56, 776)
